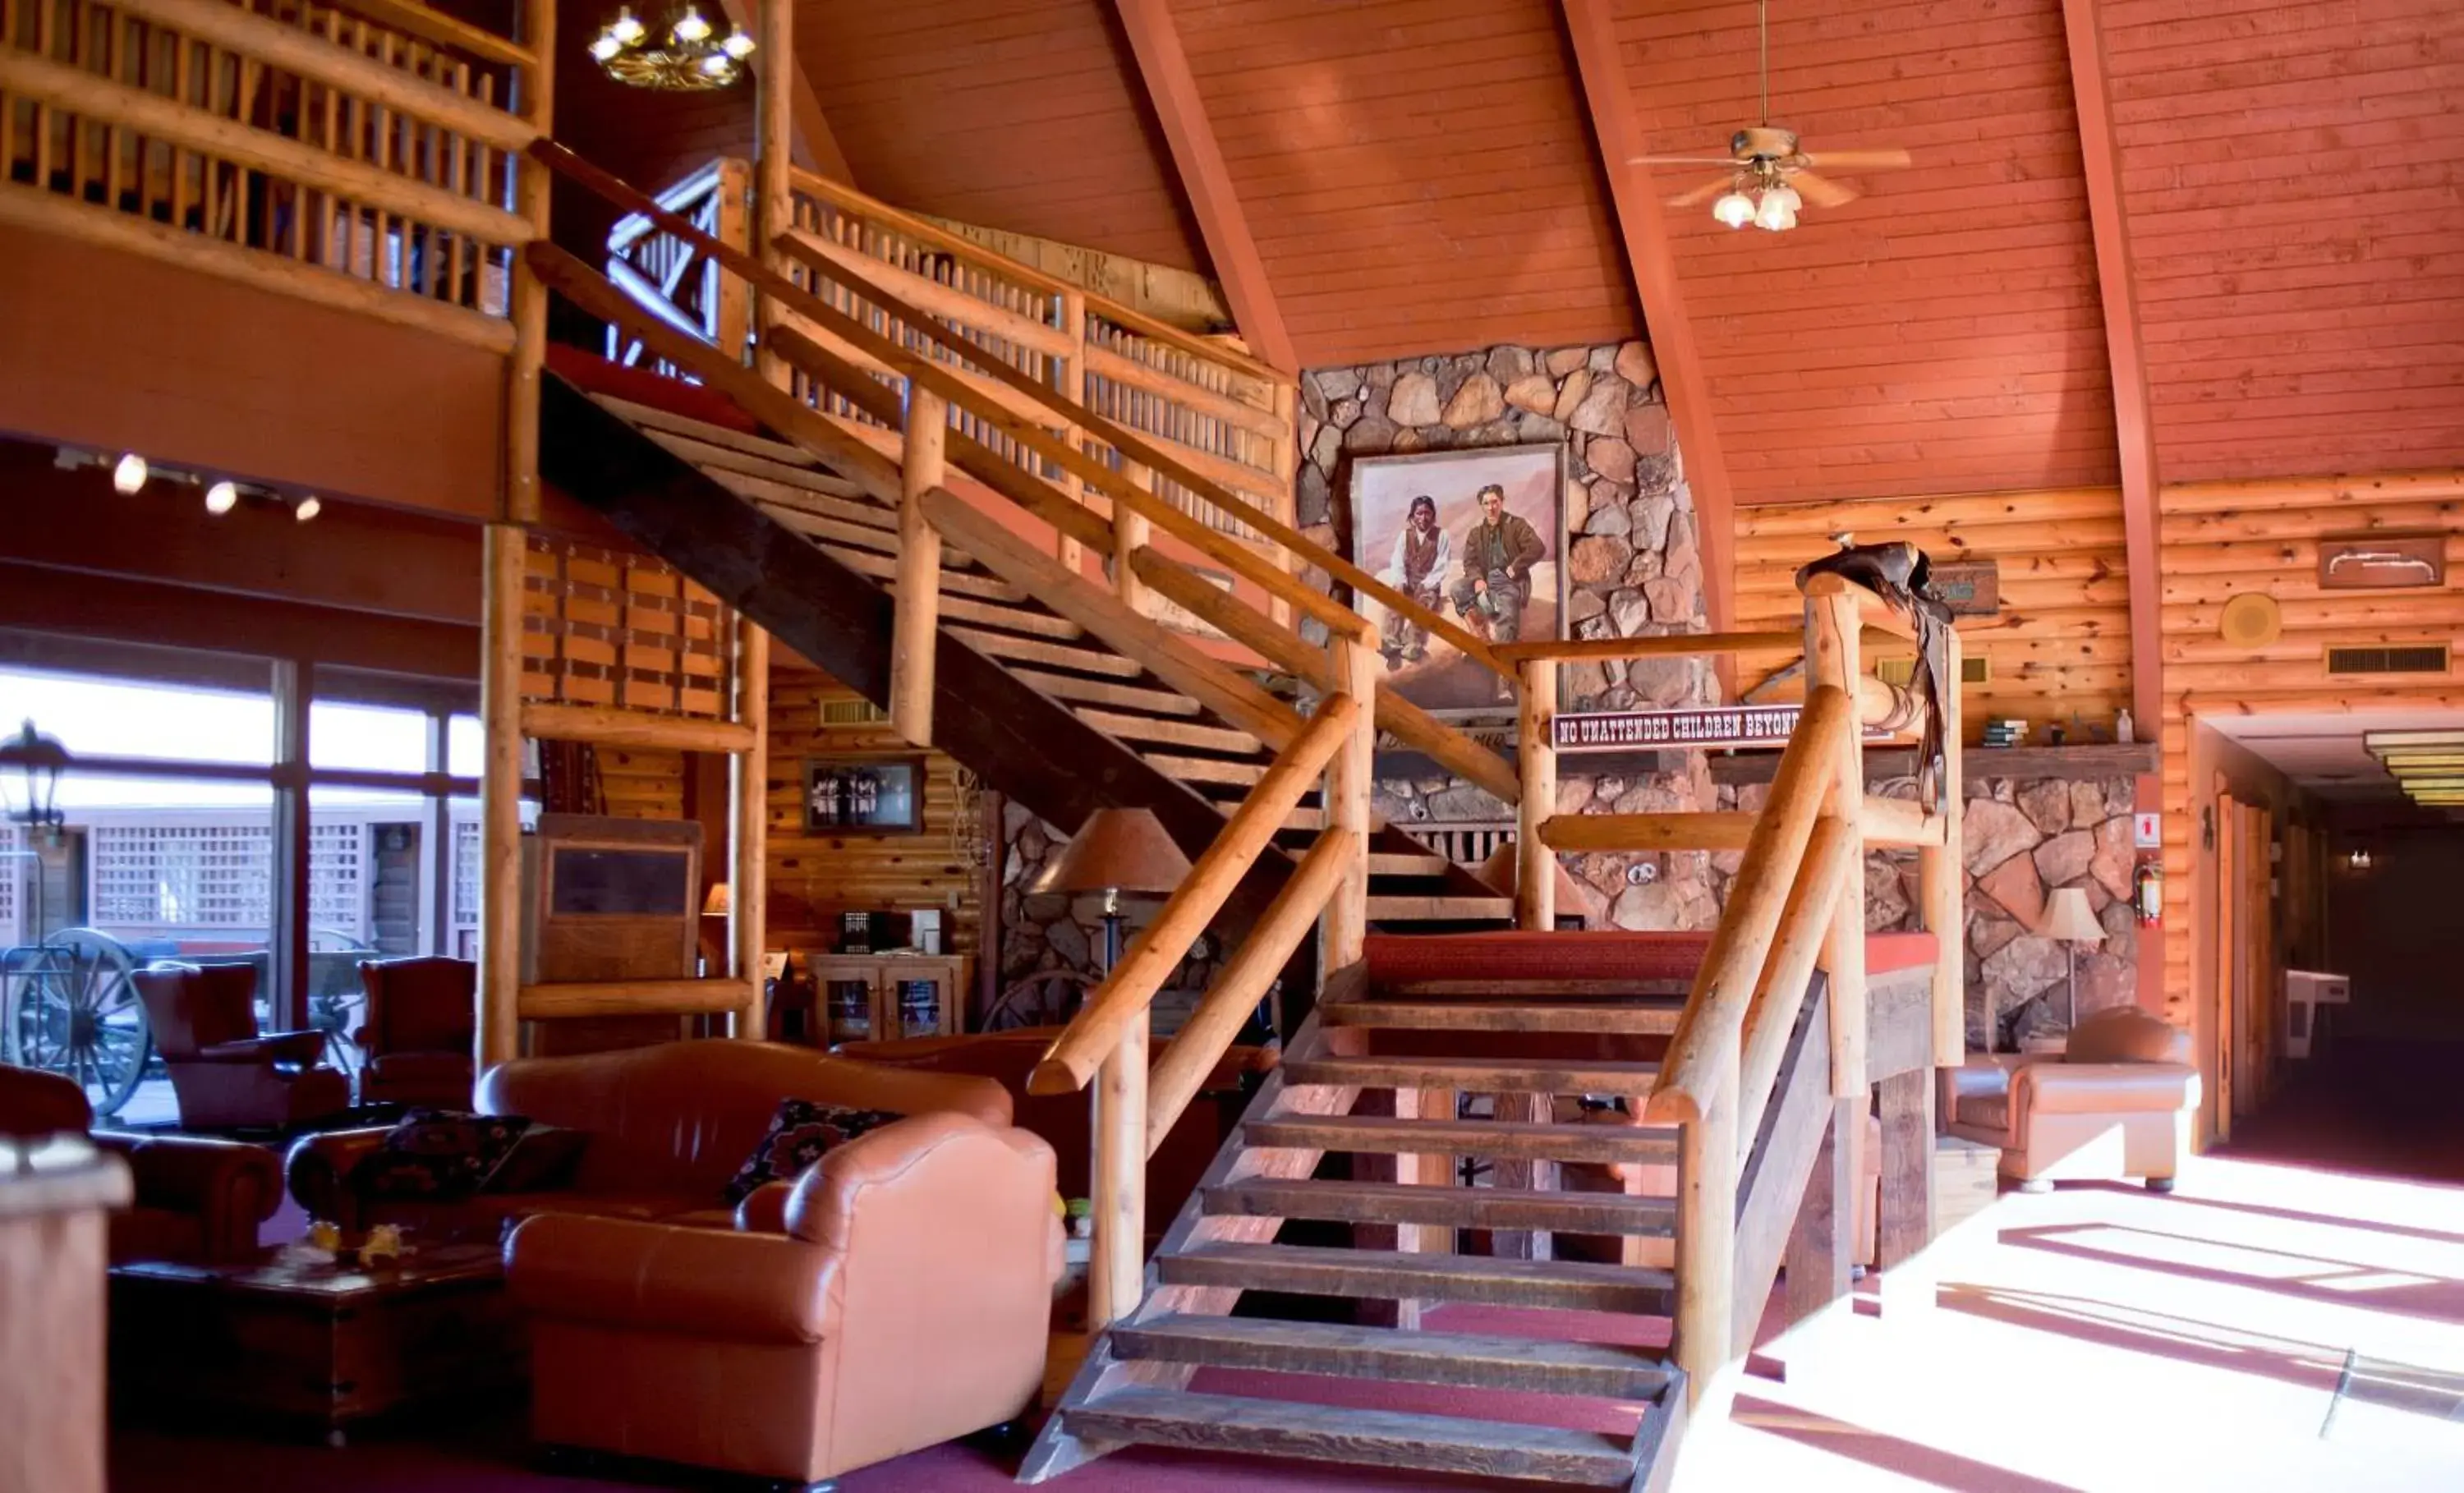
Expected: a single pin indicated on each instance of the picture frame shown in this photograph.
(864, 795)
(1385, 493)
(2381, 561)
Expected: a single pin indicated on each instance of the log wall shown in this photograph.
(2224, 540)
(2059, 647)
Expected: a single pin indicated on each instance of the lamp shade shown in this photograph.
(1117, 851)
(722, 901)
(2068, 917)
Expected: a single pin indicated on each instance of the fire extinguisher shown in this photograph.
(2147, 892)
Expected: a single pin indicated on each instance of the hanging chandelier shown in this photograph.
(693, 57)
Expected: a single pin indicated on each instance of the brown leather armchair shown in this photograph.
(198, 1198)
(905, 1303)
(667, 1126)
(223, 1071)
(2118, 1101)
(421, 1027)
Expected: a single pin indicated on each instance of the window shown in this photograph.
(369, 737)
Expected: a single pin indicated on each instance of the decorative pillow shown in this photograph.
(437, 1156)
(801, 1133)
(545, 1159)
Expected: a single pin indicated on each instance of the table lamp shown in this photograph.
(2069, 918)
(1118, 852)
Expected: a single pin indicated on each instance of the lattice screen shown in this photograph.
(189, 875)
(466, 885)
(12, 873)
(338, 878)
(605, 628)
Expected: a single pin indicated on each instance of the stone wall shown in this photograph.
(1633, 563)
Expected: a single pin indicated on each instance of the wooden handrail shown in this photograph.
(959, 247)
(427, 24)
(1664, 646)
(1241, 984)
(315, 58)
(1779, 994)
(1131, 445)
(1724, 829)
(96, 97)
(1125, 996)
(1701, 1064)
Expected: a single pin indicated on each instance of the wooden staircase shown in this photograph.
(1361, 1128)
(1061, 660)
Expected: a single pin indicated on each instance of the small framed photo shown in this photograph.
(865, 795)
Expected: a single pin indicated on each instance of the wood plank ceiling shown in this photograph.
(1943, 334)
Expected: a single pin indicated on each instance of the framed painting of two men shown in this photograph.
(1474, 536)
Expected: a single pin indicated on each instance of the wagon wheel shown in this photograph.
(76, 1015)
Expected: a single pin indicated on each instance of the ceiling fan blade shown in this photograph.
(1860, 160)
(1684, 161)
(1701, 194)
(1822, 190)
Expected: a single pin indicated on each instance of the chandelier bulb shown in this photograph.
(718, 64)
(130, 474)
(737, 45)
(309, 508)
(222, 497)
(691, 27)
(606, 47)
(626, 29)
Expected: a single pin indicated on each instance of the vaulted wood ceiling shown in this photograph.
(1421, 176)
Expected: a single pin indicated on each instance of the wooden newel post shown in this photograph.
(1942, 880)
(917, 614)
(1706, 1237)
(1834, 656)
(500, 798)
(774, 199)
(1072, 369)
(1131, 530)
(1348, 779)
(1116, 1264)
(750, 800)
(1535, 746)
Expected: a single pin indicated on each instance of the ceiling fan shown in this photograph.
(1768, 174)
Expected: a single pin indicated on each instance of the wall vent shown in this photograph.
(2403, 658)
(1973, 669)
(858, 711)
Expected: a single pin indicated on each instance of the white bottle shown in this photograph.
(2123, 731)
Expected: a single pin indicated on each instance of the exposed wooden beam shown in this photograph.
(2135, 438)
(817, 149)
(1204, 179)
(1632, 195)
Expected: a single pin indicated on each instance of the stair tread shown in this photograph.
(1326, 1433)
(1176, 732)
(1594, 1143)
(1480, 1075)
(1402, 863)
(1384, 1274)
(1472, 1359)
(1206, 769)
(1639, 1017)
(1470, 1207)
(964, 583)
(1409, 907)
(1103, 692)
(1486, 987)
(1060, 655)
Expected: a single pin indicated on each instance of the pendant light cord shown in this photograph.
(1761, 26)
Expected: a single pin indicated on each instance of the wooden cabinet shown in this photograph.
(879, 997)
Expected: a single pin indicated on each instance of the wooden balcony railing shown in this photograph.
(368, 155)
(666, 273)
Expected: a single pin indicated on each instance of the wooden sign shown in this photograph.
(1719, 726)
(2370, 562)
(1973, 587)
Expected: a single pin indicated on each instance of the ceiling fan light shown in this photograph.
(1777, 210)
(1736, 210)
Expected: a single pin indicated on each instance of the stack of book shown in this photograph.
(2006, 731)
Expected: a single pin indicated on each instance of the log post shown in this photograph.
(500, 797)
(1117, 1264)
(1349, 776)
(774, 198)
(1130, 532)
(731, 319)
(1943, 883)
(748, 890)
(1834, 656)
(1707, 1239)
(917, 617)
(526, 301)
(1284, 461)
(1535, 880)
(1068, 550)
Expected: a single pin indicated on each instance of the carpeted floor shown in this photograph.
(2098, 1339)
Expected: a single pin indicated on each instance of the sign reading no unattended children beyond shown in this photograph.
(1720, 726)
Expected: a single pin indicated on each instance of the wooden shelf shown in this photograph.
(2102, 759)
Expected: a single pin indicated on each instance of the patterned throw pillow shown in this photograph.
(801, 1133)
(437, 1156)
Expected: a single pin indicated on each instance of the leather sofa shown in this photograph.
(1009, 1057)
(667, 1126)
(2118, 1101)
(895, 1296)
(197, 1198)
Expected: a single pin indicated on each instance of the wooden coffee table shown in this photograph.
(308, 1340)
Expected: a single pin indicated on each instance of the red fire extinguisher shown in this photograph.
(2147, 892)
